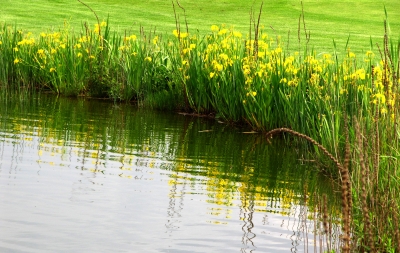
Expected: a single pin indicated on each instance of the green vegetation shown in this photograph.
(346, 100)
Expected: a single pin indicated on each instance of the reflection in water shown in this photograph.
(247, 217)
(175, 206)
(162, 182)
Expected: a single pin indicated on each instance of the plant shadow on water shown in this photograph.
(171, 182)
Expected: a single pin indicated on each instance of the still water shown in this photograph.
(82, 175)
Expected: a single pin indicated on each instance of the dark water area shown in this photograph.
(79, 175)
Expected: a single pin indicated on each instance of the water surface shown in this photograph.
(82, 175)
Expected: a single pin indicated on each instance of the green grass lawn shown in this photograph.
(325, 19)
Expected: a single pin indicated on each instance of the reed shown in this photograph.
(345, 183)
(324, 211)
(363, 181)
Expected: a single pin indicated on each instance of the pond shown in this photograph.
(79, 175)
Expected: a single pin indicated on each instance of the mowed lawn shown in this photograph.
(325, 20)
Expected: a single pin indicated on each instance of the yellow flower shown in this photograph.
(369, 54)
(79, 55)
(248, 81)
(55, 35)
(16, 61)
(261, 54)
(351, 55)
(185, 51)
(26, 42)
(246, 69)
(1, 42)
(293, 82)
(41, 53)
(212, 74)
(155, 40)
(223, 31)
(96, 28)
(254, 93)
(237, 34)
(148, 58)
(327, 56)
(180, 34)
(223, 56)
(381, 97)
(52, 70)
(214, 28)
(318, 69)
(361, 74)
(218, 67)
(84, 39)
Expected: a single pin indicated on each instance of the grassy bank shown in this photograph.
(345, 100)
(326, 20)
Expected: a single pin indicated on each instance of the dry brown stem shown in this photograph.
(346, 192)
